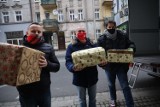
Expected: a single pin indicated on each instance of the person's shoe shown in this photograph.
(113, 103)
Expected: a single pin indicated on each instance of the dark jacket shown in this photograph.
(53, 66)
(121, 42)
(86, 77)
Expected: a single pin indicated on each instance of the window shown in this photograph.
(72, 15)
(15, 37)
(60, 16)
(80, 14)
(18, 16)
(96, 13)
(98, 33)
(80, 3)
(5, 17)
(71, 3)
(73, 35)
(47, 15)
(36, 0)
(3, 1)
(16, 0)
(96, 2)
(38, 18)
(59, 4)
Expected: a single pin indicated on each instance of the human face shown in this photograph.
(111, 26)
(34, 30)
(81, 35)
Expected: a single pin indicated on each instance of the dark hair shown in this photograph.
(110, 21)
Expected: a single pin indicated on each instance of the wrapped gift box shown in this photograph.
(18, 65)
(120, 55)
(89, 57)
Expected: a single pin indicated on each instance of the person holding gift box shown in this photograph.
(38, 93)
(116, 39)
(84, 79)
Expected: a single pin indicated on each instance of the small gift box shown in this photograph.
(120, 55)
(19, 64)
(89, 57)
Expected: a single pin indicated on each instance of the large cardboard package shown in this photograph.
(19, 64)
(120, 55)
(89, 57)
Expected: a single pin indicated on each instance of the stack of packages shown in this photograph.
(19, 65)
(94, 56)
(120, 55)
(89, 57)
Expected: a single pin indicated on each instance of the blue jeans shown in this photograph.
(123, 80)
(42, 99)
(91, 93)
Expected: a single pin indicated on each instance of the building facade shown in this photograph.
(48, 14)
(88, 14)
(15, 16)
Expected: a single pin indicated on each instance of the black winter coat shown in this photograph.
(121, 42)
(86, 77)
(53, 66)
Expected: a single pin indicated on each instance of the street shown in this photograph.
(62, 84)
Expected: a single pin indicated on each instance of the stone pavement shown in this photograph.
(143, 97)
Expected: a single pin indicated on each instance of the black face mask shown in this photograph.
(111, 31)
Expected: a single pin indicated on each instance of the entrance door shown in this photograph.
(61, 41)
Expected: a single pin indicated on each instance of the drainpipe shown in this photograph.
(30, 4)
(86, 18)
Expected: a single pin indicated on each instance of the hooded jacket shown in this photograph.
(87, 76)
(53, 66)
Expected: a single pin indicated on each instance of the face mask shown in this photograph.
(81, 35)
(33, 39)
(111, 31)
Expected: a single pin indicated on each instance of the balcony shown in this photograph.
(48, 4)
(50, 25)
(107, 2)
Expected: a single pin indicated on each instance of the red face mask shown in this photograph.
(33, 39)
(81, 35)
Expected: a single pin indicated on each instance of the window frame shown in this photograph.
(36, 1)
(16, 0)
(71, 3)
(3, 1)
(80, 14)
(18, 15)
(98, 33)
(59, 4)
(79, 3)
(38, 18)
(71, 15)
(97, 14)
(60, 16)
(3, 16)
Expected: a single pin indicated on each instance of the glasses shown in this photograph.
(81, 31)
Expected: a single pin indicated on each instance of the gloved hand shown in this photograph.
(130, 49)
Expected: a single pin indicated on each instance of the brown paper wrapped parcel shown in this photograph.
(89, 57)
(18, 64)
(120, 55)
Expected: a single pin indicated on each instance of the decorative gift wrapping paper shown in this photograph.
(120, 55)
(89, 57)
(19, 64)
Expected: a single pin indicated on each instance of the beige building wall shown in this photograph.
(89, 22)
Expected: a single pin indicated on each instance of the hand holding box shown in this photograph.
(19, 64)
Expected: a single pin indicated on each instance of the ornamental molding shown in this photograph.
(16, 6)
(3, 6)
